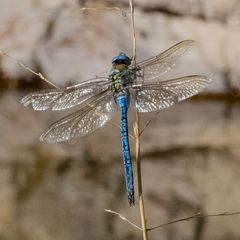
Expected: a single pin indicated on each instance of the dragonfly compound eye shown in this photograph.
(121, 58)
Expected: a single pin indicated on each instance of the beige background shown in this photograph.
(190, 152)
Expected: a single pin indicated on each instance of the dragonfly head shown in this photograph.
(121, 61)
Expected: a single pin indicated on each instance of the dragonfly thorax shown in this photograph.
(121, 79)
(120, 74)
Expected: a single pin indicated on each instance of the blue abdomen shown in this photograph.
(123, 103)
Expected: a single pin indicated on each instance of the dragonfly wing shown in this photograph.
(155, 96)
(162, 63)
(60, 99)
(149, 100)
(92, 116)
(185, 87)
(41, 100)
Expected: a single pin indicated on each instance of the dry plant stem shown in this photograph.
(104, 9)
(137, 136)
(192, 217)
(123, 218)
(148, 123)
(28, 69)
(197, 215)
(139, 180)
(133, 31)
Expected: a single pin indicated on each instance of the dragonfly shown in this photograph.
(127, 85)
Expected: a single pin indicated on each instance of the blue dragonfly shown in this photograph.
(127, 85)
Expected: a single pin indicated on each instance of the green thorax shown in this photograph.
(117, 74)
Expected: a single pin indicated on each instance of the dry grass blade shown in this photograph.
(123, 218)
(28, 69)
(124, 13)
(197, 215)
(137, 136)
(147, 124)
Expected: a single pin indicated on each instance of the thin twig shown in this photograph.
(194, 216)
(139, 180)
(28, 69)
(124, 13)
(137, 136)
(147, 124)
(133, 32)
(197, 215)
(123, 218)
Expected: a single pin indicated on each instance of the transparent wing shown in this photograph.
(155, 67)
(60, 99)
(90, 117)
(155, 96)
(154, 100)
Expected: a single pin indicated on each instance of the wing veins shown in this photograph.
(91, 107)
(96, 100)
(183, 46)
(51, 99)
(166, 93)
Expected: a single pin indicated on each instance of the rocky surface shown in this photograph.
(190, 152)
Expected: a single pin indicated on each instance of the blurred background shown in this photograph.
(190, 152)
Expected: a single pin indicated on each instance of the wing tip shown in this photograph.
(201, 77)
(28, 100)
(207, 79)
(45, 138)
(25, 101)
(49, 137)
(42, 138)
(189, 42)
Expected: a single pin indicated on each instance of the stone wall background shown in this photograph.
(190, 152)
